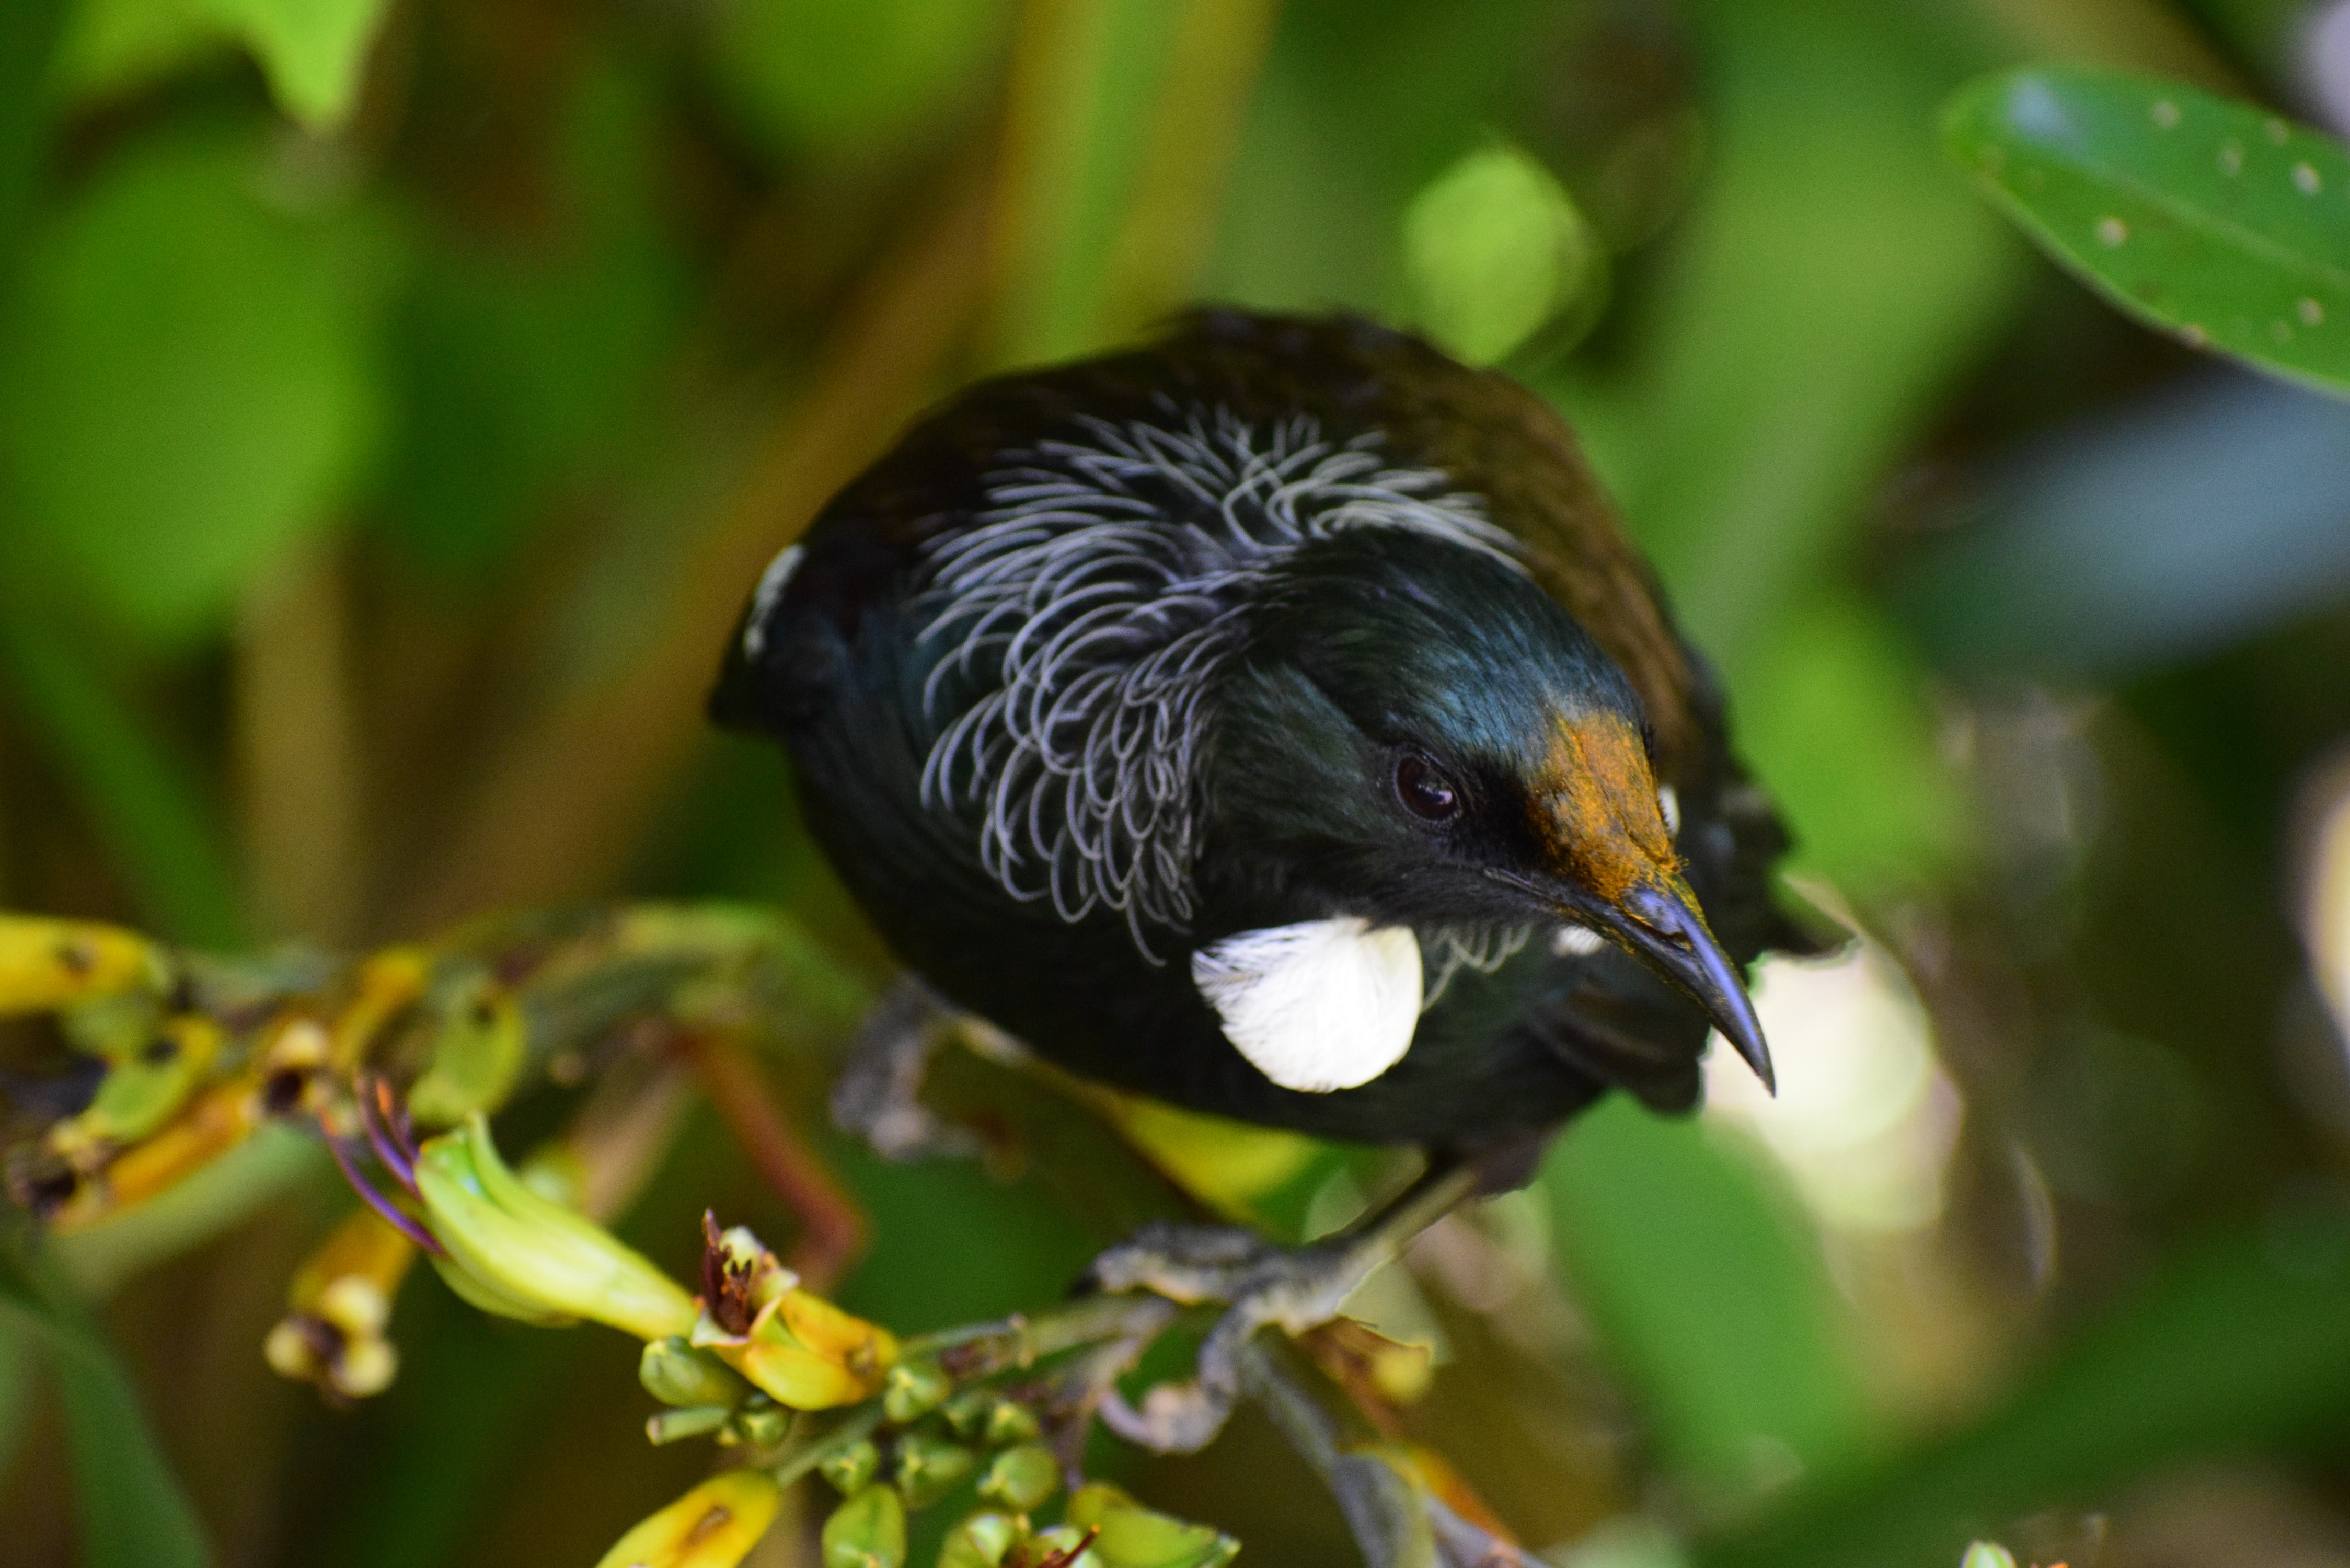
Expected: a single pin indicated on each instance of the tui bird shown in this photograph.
(1275, 721)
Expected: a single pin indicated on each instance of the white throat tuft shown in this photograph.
(1317, 1006)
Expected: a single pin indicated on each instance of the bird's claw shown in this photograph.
(1186, 1263)
(1260, 1285)
(878, 1094)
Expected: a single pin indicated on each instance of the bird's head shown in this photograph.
(1422, 735)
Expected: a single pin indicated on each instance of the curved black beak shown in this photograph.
(1665, 929)
(1659, 924)
(1656, 920)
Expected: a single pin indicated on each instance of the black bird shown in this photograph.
(1275, 721)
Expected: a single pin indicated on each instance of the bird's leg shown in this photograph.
(1261, 1285)
(878, 1095)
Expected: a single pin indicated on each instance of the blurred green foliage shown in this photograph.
(396, 401)
(193, 383)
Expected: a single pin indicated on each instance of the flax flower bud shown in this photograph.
(48, 964)
(929, 1467)
(1063, 1546)
(798, 1348)
(674, 1373)
(869, 1530)
(966, 1413)
(528, 1257)
(982, 1540)
(713, 1526)
(852, 1469)
(913, 1390)
(337, 1307)
(1010, 1421)
(1022, 1477)
(477, 1054)
(1132, 1536)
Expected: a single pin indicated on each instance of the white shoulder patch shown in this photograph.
(1321, 1005)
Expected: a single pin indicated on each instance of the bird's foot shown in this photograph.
(878, 1095)
(1260, 1285)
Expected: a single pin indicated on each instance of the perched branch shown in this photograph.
(397, 1058)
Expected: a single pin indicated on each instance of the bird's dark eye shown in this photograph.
(1425, 792)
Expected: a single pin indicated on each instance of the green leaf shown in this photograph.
(29, 34)
(2213, 219)
(148, 808)
(1833, 716)
(839, 74)
(1833, 281)
(190, 384)
(2238, 1345)
(1358, 108)
(522, 368)
(1709, 1291)
(116, 45)
(1088, 92)
(1494, 248)
(314, 52)
(132, 1513)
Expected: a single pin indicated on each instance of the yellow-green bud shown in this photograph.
(496, 1300)
(913, 1389)
(477, 1054)
(851, 1469)
(1021, 1477)
(675, 1425)
(49, 965)
(967, 1411)
(869, 1530)
(675, 1372)
(762, 1423)
(536, 1253)
(982, 1540)
(805, 1352)
(1987, 1554)
(1132, 1536)
(713, 1526)
(1010, 1421)
(929, 1467)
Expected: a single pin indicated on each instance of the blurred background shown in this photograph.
(398, 399)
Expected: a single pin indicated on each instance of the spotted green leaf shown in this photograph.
(2211, 219)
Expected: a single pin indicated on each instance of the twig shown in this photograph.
(1394, 1517)
(832, 1228)
(299, 774)
(982, 1350)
